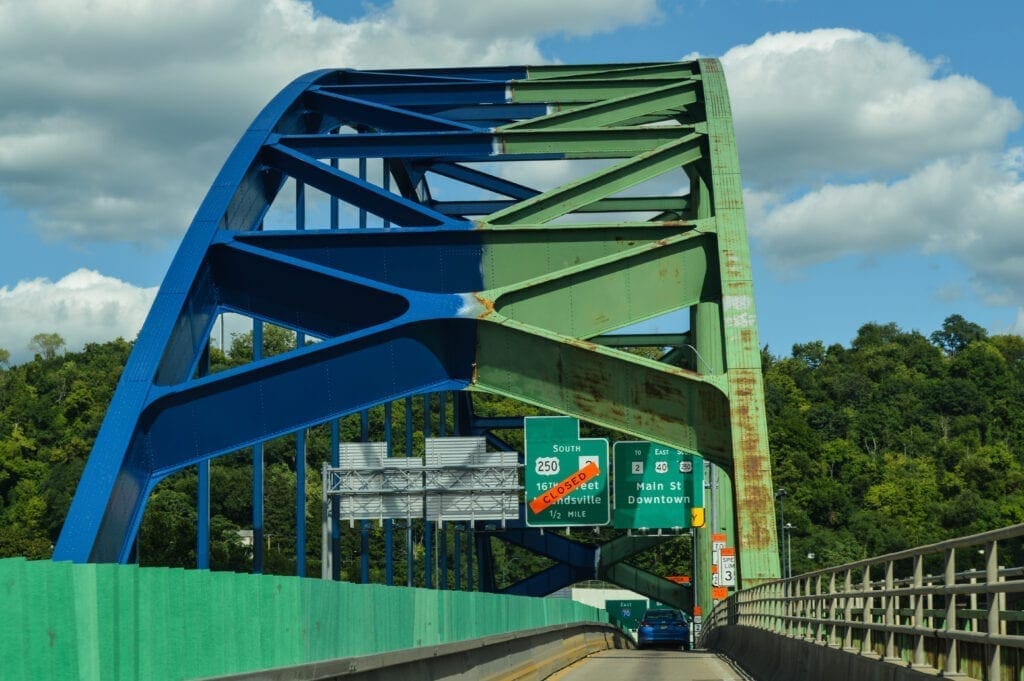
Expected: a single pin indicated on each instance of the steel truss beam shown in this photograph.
(443, 265)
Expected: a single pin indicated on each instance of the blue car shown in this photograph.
(661, 626)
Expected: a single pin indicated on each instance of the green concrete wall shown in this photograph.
(98, 622)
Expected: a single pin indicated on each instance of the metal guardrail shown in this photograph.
(966, 621)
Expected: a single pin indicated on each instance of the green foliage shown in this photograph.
(897, 440)
(48, 345)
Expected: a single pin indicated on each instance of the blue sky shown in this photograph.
(881, 143)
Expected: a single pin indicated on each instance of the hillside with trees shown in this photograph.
(897, 440)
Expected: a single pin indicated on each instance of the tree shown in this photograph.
(957, 333)
(5, 357)
(49, 345)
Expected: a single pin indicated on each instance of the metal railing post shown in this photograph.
(833, 632)
(991, 578)
(848, 609)
(890, 611)
(919, 610)
(867, 615)
(949, 580)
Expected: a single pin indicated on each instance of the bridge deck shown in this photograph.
(651, 665)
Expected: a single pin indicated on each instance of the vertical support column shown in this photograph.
(428, 527)
(203, 493)
(364, 551)
(470, 542)
(334, 199)
(335, 508)
(364, 525)
(389, 540)
(457, 550)
(203, 511)
(443, 558)
(335, 434)
(408, 521)
(709, 359)
(757, 542)
(428, 554)
(484, 562)
(362, 176)
(300, 503)
(385, 181)
(258, 541)
(300, 437)
(326, 554)
(389, 549)
(409, 581)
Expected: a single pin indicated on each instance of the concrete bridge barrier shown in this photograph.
(519, 656)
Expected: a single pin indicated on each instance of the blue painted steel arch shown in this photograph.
(164, 418)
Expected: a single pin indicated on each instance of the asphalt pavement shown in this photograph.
(651, 665)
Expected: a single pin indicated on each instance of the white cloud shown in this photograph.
(853, 145)
(82, 307)
(526, 19)
(842, 103)
(116, 115)
(969, 207)
(1018, 325)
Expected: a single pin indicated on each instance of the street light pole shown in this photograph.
(789, 549)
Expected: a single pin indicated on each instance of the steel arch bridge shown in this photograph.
(463, 229)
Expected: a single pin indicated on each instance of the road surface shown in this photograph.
(650, 665)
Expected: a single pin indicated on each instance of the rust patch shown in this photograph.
(487, 304)
(658, 391)
(752, 468)
(743, 385)
(747, 339)
(580, 343)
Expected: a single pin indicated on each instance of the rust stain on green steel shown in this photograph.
(604, 386)
(486, 303)
(746, 388)
(751, 470)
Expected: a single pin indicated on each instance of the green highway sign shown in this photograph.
(657, 487)
(626, 614)
(563, 489)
